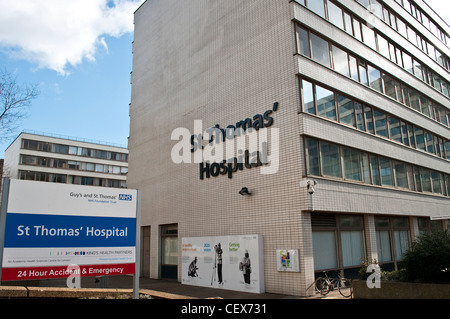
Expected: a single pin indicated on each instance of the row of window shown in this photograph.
(322, 51)
(391, 51)
(330, 231)
(331, 160)
(423, 18)
(67, 164)
(392, 19)
(338, 107)
(70, 179)
(73, 150)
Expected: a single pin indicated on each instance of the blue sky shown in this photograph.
(84, 86)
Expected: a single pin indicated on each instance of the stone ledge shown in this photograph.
(13, 292)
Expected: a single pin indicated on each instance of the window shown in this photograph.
(401, 176)
(420, 139)
(335, 15)
(303, 41)
(380, 123)
(331, 231)
(340, 61)
(395, 129)
(386, 172)
(368, 36)
(353, 68)
(346, 111)
(317, 7)
(363, 73)
(312, 150)
(389, 86)
(169, 251)
(393, 238)
(351, 164)
(320, 50)
(325, 103)
(375, 78)
(407, 62)
(369, 119)
(330, 157)
(359, 116)
(425, 179)
(383, 46)
(375, 170)
(308, 97)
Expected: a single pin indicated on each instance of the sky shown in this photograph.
(79, 53)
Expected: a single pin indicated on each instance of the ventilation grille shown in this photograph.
(323, 220)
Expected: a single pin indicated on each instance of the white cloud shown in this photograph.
(58, 33)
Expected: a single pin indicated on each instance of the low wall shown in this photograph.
(400, 290)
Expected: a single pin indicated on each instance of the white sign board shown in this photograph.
(228, 262)
(50, 226)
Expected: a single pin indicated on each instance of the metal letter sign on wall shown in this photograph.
(45, 227)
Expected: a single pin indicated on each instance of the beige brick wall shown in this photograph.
(231, 62)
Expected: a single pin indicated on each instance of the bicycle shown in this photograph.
(326, 284)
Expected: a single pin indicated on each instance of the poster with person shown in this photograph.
(229, 262)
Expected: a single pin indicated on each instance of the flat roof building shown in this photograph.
(46, 158)
(350, 103)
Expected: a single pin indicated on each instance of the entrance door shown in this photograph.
(169, 251)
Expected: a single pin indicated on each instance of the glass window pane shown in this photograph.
(436, 181)
(325, 103)
(346, 111)
(313, 156)
(405, 134)
(331, 165)
(420, 139)
(401, 238)
(359, 116)
(348, 23)
(363, 74)
(320, 50)
(375, 78)
(351, 164)
(351, 221)
(169, 250)
(352, 244)
(368, 36)
(365, 168)
(407, 62)
(335, 15)
(401, 176)
(429, 140)
(357, 29)
(383, 46)
(425, 105)
(354, 68)
(375, 170)
(386, 171)
(369, 119)
(389, 86)
(384, 246)
(380, 123)
(395, 129)
(340, 61)
(317, 7)
(324, 249)
(303, 41)
(414, 97)
(425, 178)
(308, 97)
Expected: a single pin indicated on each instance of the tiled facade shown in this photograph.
(224, 61)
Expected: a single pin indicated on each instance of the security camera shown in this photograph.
(310, 186)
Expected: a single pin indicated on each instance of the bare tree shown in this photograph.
(14, 102)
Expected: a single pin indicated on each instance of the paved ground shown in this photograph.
(168, 286)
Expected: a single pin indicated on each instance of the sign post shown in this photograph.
(47, 227)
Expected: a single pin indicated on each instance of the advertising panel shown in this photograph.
(50, 226)
(228, 262)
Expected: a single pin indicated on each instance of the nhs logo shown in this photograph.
(125, 197)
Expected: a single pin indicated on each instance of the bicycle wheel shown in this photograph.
(322, 286)
(345, 287)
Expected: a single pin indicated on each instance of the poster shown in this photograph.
(228, 262)
(51, 226)
(287, 260)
